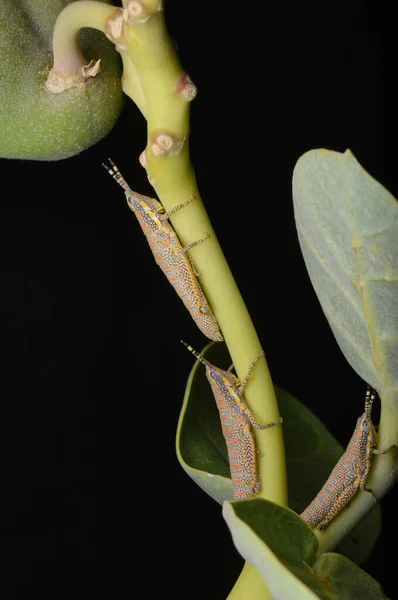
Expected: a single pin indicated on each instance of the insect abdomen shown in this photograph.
(177, 267)
(170, 255)
(342, 476)
(236, 421)
(242, 455)
(239, 439)
(344, 480)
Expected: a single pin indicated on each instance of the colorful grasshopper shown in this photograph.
(169, 254)
(236, 418)
(349, 474)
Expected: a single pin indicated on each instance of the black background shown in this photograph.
(93, 373)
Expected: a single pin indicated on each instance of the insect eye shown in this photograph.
(365, 426)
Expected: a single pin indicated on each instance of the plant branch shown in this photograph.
(70, 67)
(250, 585)
(140, 35)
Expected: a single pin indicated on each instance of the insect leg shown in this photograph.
(247, 411)
(246, 379)
(194, 269)
(385, 449)
(195, 243)
(258, 425)
(166, 215)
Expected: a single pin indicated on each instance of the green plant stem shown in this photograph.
(153, 77)
(250, 586)
(68, 58)
(159, 72)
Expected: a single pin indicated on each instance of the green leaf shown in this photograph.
(36, 124)
(283, 549)
(200, 444)
(346, 579)
(347, 225)
(311, 451)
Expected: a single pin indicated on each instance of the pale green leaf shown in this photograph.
(347, 225)
(283, 549)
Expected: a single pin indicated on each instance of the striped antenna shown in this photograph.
(117, 176)
(200, 358)
(371, 394)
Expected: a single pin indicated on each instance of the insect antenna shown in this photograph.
(200, 358)
(371, 394)
(116, 174)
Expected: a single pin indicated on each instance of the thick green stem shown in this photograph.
(250, 586)
(167, 91)
(153, 77)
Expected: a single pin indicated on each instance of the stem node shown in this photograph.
(142, 159)
(57, 83)
(164, 143)
(114, 29)
(186, 87)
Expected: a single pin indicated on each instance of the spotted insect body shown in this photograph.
(170, 255)
(349, 474)
(236, 421)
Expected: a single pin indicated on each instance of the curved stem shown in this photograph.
(68, 58)
(155, 80)
(167, 91)
(131, 83)
(250, 585)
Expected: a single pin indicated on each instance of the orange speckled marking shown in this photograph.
(353, 467)
(170, 255)
(236, 421)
